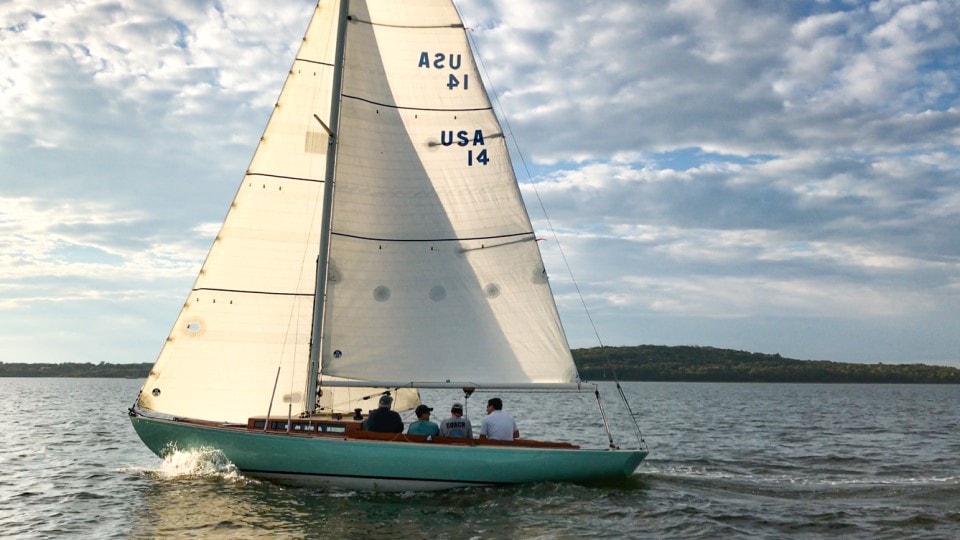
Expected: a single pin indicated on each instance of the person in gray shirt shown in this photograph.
(457, 425)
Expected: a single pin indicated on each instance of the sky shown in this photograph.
(775, 177)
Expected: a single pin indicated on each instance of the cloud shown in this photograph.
(766, 176)
(80, 250)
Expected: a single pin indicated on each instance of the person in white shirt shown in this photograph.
(498, 425)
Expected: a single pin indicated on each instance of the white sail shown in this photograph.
(249, 315)
(435, 274)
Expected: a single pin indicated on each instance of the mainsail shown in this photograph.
(435, 273)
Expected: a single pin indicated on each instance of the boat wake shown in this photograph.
(202, 463)
(782, 482)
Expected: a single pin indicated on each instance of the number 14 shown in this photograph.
(481, 157)
(454, 82)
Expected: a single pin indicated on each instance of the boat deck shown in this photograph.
(352, 429)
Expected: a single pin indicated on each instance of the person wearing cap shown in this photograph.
(382, 419)
(456, 425)
(498, 425)
(423, 425)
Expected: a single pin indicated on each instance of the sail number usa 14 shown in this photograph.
(463, 139)
(450, 61)
(450, 137)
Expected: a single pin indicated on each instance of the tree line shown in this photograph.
(101, 370)
(635, 363)
(709, 364)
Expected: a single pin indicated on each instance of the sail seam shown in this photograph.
(455, 239)
(415, 108)
(371, 23)
(252, 292)
(328, 64)
(285, 177)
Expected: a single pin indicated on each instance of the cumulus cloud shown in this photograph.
(765, 176)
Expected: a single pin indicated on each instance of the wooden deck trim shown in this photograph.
(404, 437)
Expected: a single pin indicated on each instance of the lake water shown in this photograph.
(727, 460)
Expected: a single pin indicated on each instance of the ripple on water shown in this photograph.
(726, 461)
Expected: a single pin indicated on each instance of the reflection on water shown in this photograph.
(231, 507)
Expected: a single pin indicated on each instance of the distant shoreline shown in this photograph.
(634, 363)
(709, 364)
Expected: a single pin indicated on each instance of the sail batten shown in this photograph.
(452, 25)
(249, 291)
(268, 175)
(318, 62)
(425, 109)
(452, 239)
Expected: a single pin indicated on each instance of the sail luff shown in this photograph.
(333, 127)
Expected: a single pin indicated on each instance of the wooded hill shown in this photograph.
(101, 370)
(637, 363)
(708, 364)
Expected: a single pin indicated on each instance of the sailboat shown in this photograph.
(378, 244)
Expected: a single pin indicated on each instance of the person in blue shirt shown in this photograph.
(423, 425)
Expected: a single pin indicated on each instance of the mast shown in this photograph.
(327, 213)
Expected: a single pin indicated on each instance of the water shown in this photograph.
(727, 460)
